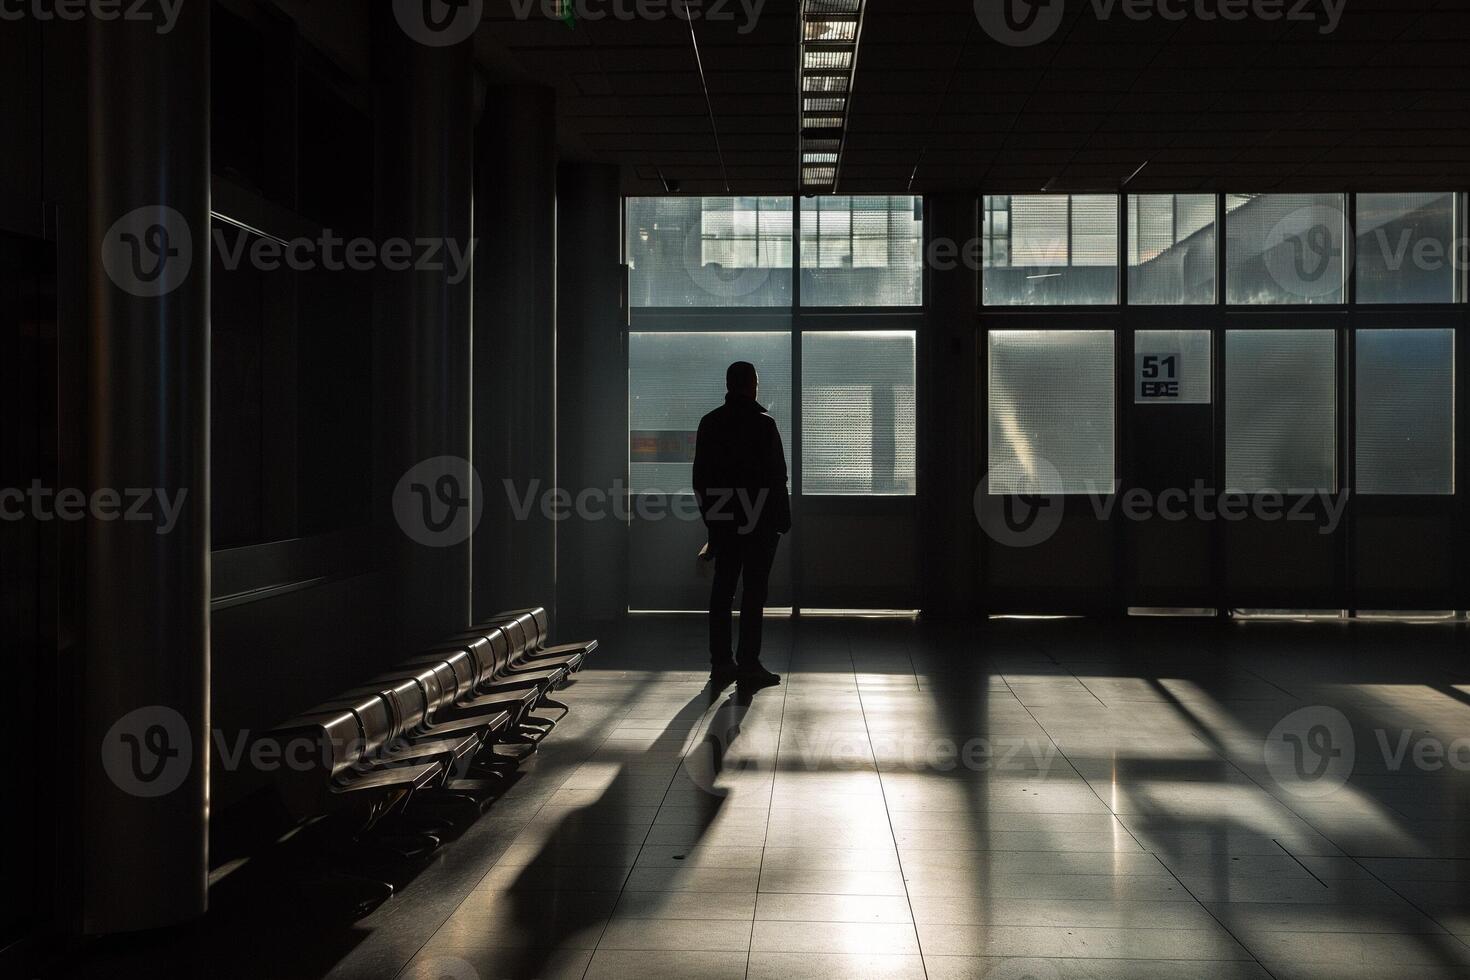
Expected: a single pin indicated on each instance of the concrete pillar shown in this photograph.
(145, 385)
(948, 441)
(592, 437)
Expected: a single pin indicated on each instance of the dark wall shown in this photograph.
(516, 401)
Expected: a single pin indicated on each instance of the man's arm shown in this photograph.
(780, 494)
(701, 471)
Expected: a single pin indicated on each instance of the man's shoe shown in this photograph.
(756, 674)
(722, 674)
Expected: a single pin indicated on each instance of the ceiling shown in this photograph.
(1380, 103)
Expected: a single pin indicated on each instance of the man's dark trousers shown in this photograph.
(736, 556)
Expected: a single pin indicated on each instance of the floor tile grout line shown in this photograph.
(1409, 901)
(771, 803)
(888, 816)
(1300, 862)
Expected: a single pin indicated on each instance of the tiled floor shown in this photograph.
(1041, 800)
(1017, 799)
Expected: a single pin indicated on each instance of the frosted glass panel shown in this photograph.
(858, 414)
(1050, 249)
(709, 251)
(1406, 411)
(1180, 358)
(862, 251)
(1406, 248)
(1280, 411)
(1171, 249)
(675, 378)
(1051, 411)
(1284, 248)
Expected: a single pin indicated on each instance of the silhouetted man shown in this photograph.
(740, 480)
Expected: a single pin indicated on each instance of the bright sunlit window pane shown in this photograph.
(1171, 249)
(1051, 411)
(1406, 248)
(674, 379)
(1406, 411)
(1280, 411)
(858, 414)
(862, 251)
(1050, 249)
(709, 251)
(1284, 248)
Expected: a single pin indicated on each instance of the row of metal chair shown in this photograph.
(389, 756)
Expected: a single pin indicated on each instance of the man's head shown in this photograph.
(740, 379)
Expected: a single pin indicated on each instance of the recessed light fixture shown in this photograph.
(830, 34)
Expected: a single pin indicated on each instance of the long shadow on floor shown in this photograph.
(560, 902)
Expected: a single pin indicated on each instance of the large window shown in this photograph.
(1050, 249)
(862, 251)
(1171, 249)
(1406, 248)
(1405, 434)
(1051, 411)
(1280, 411)
(709, 251)
(675, 378)
(1284, 248)
(858, 414)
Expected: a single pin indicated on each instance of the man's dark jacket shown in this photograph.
(740, 470)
